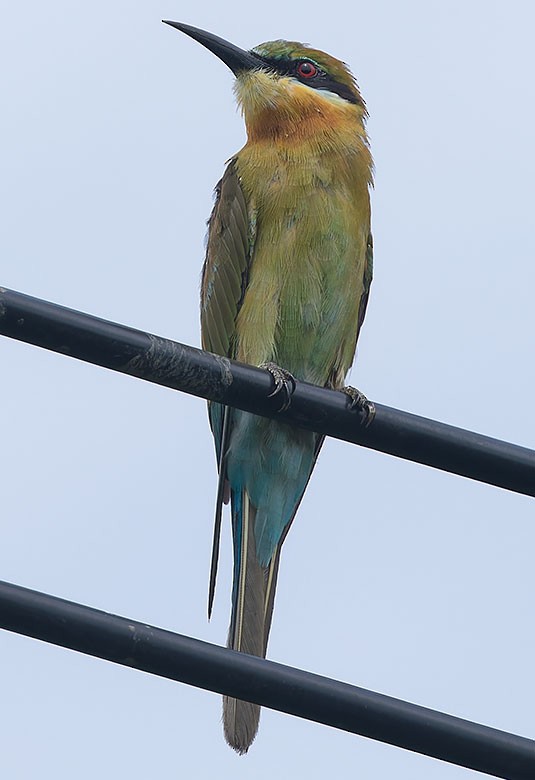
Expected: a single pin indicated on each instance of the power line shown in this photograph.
(193, 371)
(320, 699)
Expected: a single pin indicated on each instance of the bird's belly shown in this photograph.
(301, 306)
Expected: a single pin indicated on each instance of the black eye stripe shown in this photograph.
(321, 80)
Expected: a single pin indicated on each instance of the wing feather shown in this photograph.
(368, 276)
(225, 268)
(224, 278)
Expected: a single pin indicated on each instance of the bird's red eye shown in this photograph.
(306, 69)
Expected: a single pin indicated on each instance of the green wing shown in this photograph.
(368, 276)
(224, 279)
(225, 270)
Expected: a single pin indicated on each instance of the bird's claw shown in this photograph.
(358, 400)
(284, 383)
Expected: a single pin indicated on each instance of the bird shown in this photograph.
(285, 285)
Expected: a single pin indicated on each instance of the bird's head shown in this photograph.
(286, 87)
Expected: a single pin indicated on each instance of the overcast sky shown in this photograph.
(395, 577)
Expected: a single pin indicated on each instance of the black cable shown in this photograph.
(357, 710)
(200, 373)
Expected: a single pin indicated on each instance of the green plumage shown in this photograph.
(294, 292)
(286, 280)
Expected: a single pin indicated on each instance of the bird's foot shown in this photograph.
(358, 400)
(284, 384)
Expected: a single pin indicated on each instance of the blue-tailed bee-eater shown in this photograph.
(285, 283)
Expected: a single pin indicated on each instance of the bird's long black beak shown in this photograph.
(237, 59)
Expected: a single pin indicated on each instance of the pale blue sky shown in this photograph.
(395, 577)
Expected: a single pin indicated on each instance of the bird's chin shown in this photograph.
(257, 91)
